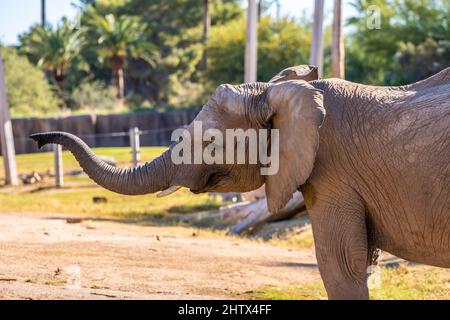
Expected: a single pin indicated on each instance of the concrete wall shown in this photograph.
(98, 131)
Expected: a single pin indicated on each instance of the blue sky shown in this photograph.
(16, 16)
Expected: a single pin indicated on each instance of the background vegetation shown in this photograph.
(124, 55)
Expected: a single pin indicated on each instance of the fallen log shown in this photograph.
(255, 212)
(273, 229)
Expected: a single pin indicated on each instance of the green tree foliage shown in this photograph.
(373, 55)
(28, 91)
(94, 96)
(416, 62)
(161, 45)
(281, 44)
(117, 38)
(53, 49)
(174, 28)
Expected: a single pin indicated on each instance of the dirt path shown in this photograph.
(38, 254)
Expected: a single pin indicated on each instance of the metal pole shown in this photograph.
(251, 53)
(135, 146)
(316, 57)
(6, 134)
(337, 43)
(59, 174)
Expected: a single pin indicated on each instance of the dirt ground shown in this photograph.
(44, 257)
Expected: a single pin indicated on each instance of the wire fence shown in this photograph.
(113, 134)
(133, 136)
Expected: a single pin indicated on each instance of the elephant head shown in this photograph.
(294, 107)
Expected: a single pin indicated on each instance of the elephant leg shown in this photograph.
(340, 236)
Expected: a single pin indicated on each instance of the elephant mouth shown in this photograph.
(211, 182)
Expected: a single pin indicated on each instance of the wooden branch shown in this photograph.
(255, 212)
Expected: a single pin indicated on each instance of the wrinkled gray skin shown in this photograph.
(374, 171)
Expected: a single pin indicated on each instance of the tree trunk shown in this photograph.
(259, 10)
(117, 64)
(206, 27)
(316, 57)
(251, 43)
(58, 76)
(337, 43)
(119, 82)
(256, 212)
(43, 13)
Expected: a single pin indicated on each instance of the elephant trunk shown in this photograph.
(148, 178)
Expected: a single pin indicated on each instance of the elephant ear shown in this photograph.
(298, 112)
(301, 72)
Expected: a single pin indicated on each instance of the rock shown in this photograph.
(74, 220)
(99, 200)
(74, 172)
(31, 178)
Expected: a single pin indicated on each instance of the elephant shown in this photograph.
(371, 161)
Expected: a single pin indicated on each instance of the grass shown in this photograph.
(76, 196)
(299, 238)
(412, 282)
(79, 201)
(310, 291)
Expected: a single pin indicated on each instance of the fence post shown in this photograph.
(59, 174)
(135, 146)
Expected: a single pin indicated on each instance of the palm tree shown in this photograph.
(53, 49)
(119, 38)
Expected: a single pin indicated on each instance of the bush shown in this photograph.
(281, 43)
(417, 62)
(28, 91)
(411, 44)
(95, 97)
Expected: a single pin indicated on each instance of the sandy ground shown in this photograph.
(44, 257)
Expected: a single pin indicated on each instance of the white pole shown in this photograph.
(6, 134)
(135, 146)
(59, 174)
(251, 45)
(316, 57)
(337, 43)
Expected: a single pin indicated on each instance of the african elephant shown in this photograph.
(372, 163)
